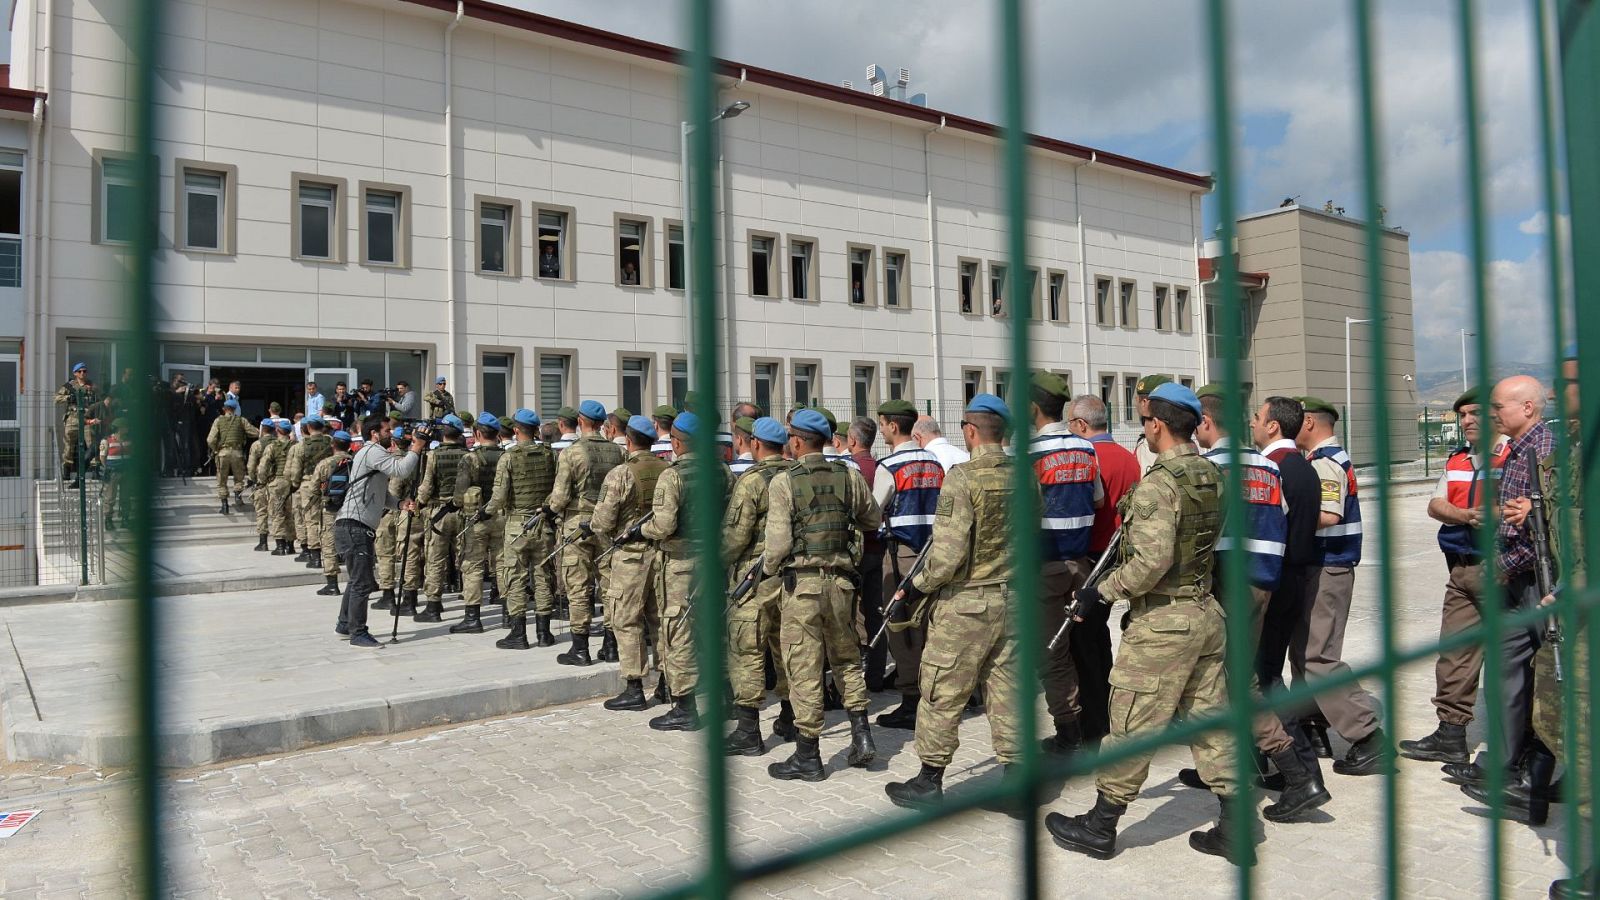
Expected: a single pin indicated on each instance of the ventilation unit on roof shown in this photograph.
(877, 88)
(905, 76)
(848, 85)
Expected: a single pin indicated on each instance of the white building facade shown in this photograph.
(368, 190)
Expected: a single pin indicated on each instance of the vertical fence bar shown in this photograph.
(1025, 523)
(706, 499)
(139, 478)
(80, 462)
(1494, 663)
(1240, 647)
(1372, 189)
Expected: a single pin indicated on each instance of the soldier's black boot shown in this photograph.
(783, 727)
(1093, 833)
(518, 638)
(745, 739)
(608, 647)
(386, 601)
(1303, 791)
(862, 749)
(261, 545)
(432, 612)
(1219, 840)
(541, 632)
(1447, 744)
(1067, 740)
(331, 589)
(315, 562)
(922, 791)
(1365, 756)
(111, 523)
(902, 716)
(1527, 794)
(408, 604)
(661, 695)
(304, 555)
(631, 698)
(578, 654)
(224, 509)
(1316, 732)
(282, 548)
(1584, 886)
(683, 716)
(469, 624)
(805, 764)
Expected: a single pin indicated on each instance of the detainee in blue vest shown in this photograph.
(1069, 482)
(1350, 709)
(906, 486)
(1262, 536)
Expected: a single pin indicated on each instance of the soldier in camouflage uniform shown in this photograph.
(292, 475)
(626, 496)
(226, 442)
(78, 390)
(315, 446)
(274, 463)
(813, 508)
(753, 624)
(970, 639)
(580, 470)
(1171, 660)
(485, 533)
(266, 436)
(522, 483)
(669, 529)
(398, 545)
(436, 494)
(319, 504)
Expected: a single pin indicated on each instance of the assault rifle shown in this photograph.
(445, 510)
(895, 601)
(580, 533)
(1075, 608)
(1544, 573)
(627, 537)
(752, 577)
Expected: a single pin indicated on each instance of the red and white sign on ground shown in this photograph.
(12, 822)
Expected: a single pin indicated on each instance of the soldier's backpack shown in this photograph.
(338, 485)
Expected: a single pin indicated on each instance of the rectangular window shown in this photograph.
(969, 284)
(1031, 282)
(971, 384)
(1130, 398)
(634, 386)
(494, 392)
(1102, 302)
(381, 227)
(494, 239)
(116, 200)
(1180, 310)
(674, 256)
(805, 384)
(318, 205)
(1066, 375)
(997, 290)
(1127, 305)
(1161, 308)
(633, 249)
(763, 266)
(1002, 383)
(765, 376)
(896, 289)
(10, 432)
(202, 210)
(1187, 382)
(900, 383)
(861, 282)
(10, 220)
(680, 381)
(1108, 396)
(555, 244)
(1058, 296)
(802, 269)
(555, 378)
(864, 390)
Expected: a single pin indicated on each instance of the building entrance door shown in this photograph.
(259, 386)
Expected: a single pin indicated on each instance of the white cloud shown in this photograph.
(1535, 224)
(1442, 304)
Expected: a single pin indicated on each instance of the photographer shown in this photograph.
(356, 524)
(341, 406)
(403, 400)
(367, 401)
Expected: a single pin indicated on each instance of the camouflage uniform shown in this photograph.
(226, 442)
(435, 493)
(319, 504)
(274, 465)
(391, 534)
(1171, 660)
(970, 637)
(313, 450)
(580, 470)
(67, 397)
(626, 495)
(482, 546)
(753, 624)
(252, 468)
(522, 484)
(438, 404)
(811, 510)
(1565, 522)
(669, 528)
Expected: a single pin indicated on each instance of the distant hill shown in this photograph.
(1440, 389)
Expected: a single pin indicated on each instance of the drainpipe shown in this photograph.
(1092, 382)
(44, 348)
(933, 268)
(452, 298)
(724, 259)
(30, 279)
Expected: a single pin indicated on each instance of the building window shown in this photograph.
(496, 249)
(763, 266)
(805, 384)
(116, 199)
(1031, 282)
(1187, 382)
(555, 383)
(1180, 310)
(10, 430)
(494, 382)
(1127, 305)
(1161, 308)
(896, 290)
(555, 244)
(765, 376)
(802, 269)
(900, 383)
(1214, 325)
(969, 283)
(864, 390)
(971, 384)
(1102, 302)
(861, 283)
(1130, 398)
(997, 290)
(1058, 296)
(10, 221)
(1108, 396)
(674, 256)
(633, 252)
(383, 226)
(633, 388)
(1002, 382)
(317, 212)
(680, 381)
(1066, 375)
(204, 208)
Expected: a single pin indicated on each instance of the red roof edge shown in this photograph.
(607, 40)
(1208, 271)
(17, 100)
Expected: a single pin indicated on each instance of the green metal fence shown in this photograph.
(1567, 33)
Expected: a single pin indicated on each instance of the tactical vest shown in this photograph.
(678, 543)
(1266, 526)
(273, 460)
(230, 433)
(113, 455)
(603, 456)
(1199, 514)
(533, 475)
(821, 518)
(917, 480)
(989, 555)
(488, 459)
(646, 470)
(1067, 470)
(1462, 482)
(314, 449)
(1340, 545)
(446, 464)
(763, 473)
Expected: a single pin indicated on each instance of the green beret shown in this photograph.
(1150, 383)
(689, 398)
(1051, 384)
(1208, 390)
(1318, 405)
(896, 408)
(568, 413)
(505, 423)
(465, 416)
(665, 411)
(623, 414)
(745, 424)
(395, 416)
(1470, 398)
(826, 414)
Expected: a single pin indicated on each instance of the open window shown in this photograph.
(896, 279)
(498, 242)
(862, 286)
(967, 275)
(763, 265)
(633, 252)
(1103, 314)
(555, 243)
(675, 259)
(802, 268)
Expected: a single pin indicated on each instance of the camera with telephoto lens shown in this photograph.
(426, 429)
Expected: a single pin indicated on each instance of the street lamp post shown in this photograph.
(684, 130)
(1348, 406)
(1464, 335)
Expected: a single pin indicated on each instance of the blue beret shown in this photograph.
(770, 430)
(231, 403)
(642, 424)
(686, 422)
(526, 417)
(311, 420)
(1571, 351)
(439, 380)
(1178, 395)
(489, 420)
(989, 403)
(812, 421)
(79, 367)
(398, 433)
(285, 426)
(342, 435)
(267, 422)
(454, 421)
(592, 410)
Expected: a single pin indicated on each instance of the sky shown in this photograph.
(1130, 77)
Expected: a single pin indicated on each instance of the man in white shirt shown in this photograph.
(928, 436)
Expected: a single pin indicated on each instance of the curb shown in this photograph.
(176, 587)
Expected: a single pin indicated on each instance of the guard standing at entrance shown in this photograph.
(226, 442)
